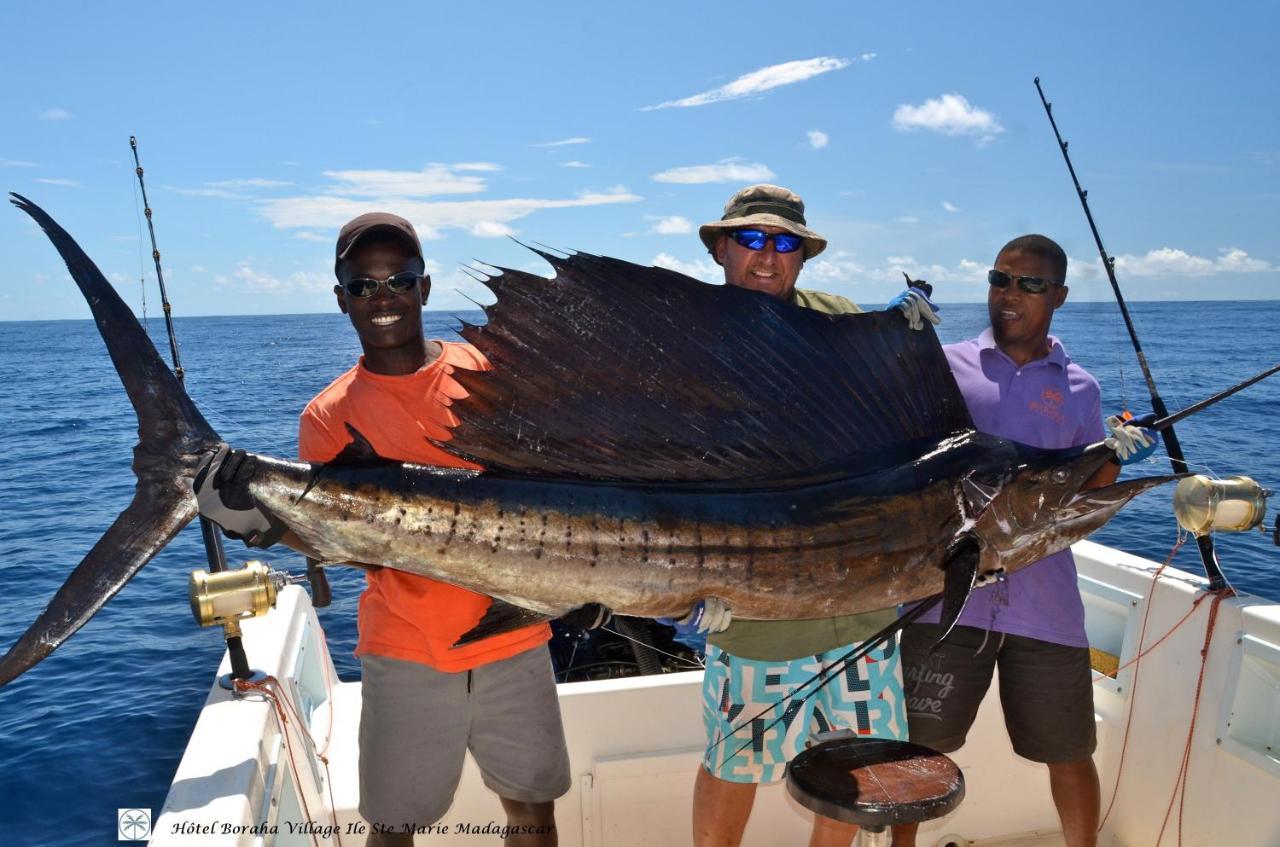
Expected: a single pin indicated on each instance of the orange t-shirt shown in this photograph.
(402, 615)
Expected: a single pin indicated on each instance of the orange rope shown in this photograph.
(271, 689)
(1133, 688)
(1184, 772)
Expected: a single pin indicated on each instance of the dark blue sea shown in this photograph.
(102, 723)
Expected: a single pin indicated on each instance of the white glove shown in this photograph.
(708, 615)
(916, 307)
(1129, 442)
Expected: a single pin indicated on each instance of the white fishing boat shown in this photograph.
(1187, 698)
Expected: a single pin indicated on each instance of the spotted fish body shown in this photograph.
(796, 465)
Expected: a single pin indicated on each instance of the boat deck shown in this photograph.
(635, 743)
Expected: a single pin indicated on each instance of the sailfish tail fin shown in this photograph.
(172, 438)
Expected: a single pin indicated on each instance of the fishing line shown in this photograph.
(142, 268)
(682, 659)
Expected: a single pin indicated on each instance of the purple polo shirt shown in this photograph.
(1049, 402)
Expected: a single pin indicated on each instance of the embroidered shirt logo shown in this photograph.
(1049, 405)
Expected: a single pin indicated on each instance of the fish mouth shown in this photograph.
(1106, 501)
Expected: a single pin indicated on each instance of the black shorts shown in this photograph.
(1046, 691)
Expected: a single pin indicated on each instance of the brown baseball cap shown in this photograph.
(764, 205)
(358, 227)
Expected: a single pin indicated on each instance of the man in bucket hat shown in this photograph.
(762, 242)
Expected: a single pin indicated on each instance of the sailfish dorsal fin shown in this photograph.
(615, 371)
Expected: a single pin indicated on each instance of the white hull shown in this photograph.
(635, 743)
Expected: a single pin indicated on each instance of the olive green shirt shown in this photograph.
(786, 640)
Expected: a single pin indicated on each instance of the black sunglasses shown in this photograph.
(755, 239)
(1029, 284)
(363, 286)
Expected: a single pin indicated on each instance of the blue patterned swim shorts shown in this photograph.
(865, 698)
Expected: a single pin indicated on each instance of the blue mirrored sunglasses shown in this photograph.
(755, 239)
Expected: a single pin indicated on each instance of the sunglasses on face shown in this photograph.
(755, 239)
(1029, 284)
(363, 286)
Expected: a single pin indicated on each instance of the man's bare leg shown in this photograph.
(538, 817)
(720, 810)
(1078, 797)
(830, 833)
(389, 839)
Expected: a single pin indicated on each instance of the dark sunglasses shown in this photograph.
(363, 286)
(1029, 284)
(754, 239)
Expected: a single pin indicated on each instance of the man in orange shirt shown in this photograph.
(425, 703)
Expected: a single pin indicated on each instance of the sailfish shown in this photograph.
(648, 440)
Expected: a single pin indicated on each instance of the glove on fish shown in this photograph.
(916, 306)
(222, 492)
(1131, 442)
(708, 615)
(590, 616)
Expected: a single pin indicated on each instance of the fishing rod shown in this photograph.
(1205, 542)
(213, 550)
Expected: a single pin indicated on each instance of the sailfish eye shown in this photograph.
(1059, 475)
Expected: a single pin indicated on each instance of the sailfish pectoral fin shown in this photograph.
(960, 577)
(501, 617)
(142, 530)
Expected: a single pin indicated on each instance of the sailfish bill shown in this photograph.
(649, 440)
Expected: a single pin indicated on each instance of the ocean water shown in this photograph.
(102, 723)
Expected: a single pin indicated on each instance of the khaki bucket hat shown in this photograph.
(764, 205)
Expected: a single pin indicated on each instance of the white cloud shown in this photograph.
(673, 225)
(308, 235)
(249, 278)
(842, 267)
(577, 139)
(949, 206)
(231, 189)
(703, 269)
(477, 166)
(70, 183)
(818, 139)
(431, 180)
(833, 267)
(726, 170)
(490, 229)
(574, 164)
(908, 219)
(759, 81)
(251, 182)
(57, 113)
(15, 163)
(429, 218)
(951, 114)
(1174, 262)
(867, 57)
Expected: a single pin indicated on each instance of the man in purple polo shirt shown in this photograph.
(1019, 383)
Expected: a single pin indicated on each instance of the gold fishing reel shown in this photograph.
(227, 597)
(224, 598)
(1235, 504)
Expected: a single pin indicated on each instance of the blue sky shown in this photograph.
(914, 134)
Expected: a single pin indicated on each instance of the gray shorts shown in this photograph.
(416, 724)
(1046, 691)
